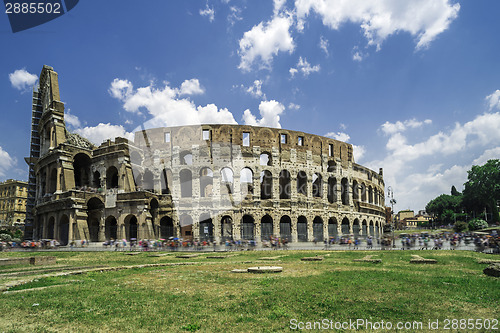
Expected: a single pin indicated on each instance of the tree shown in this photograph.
(482, 189)
(454, 191)
(446, 208)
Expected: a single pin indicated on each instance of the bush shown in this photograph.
(5, 238)
(476, 224)
(460, 226)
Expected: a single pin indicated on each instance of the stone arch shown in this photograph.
(286, 228)
(332, 190)
(81, 167)
(206, 182)
(166, 227)
(371, 228)
(95, 208)
(266, 227)
(355, 227)
(363, 192)
(345, 226)
(186, 223)
(370, 194)
(285, 184)
(364, 227)
(345, 191)
(332, 227)
(227, 181)
(111, 228)
(318, 229)
(317, 186)
(51, 225)
(227, 228)
(206, 228)
(96, 179)
(247, 227)
(302, 183)
(266, 185)
(186, 179)
(246, 182)
(64, 230)
(355, 193)
(112, 177)
(186, 158)
(131, 227)
(166, 181)
(266, 159)
(302, 229)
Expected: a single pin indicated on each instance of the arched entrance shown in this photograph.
(94, 213)
(302, 229)
(332, 227)
(166, 227)
(111, 228)
(266, 227)
(286, 228)
(206, 228)
(318, 229)
(186, 223)
(64, 230)
(247, 228)
(131, 227)
(345, 226)
(226, 228)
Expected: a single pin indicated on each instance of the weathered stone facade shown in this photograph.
(13, 194)
(210, 182)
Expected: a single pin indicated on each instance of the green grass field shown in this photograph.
(207, 297)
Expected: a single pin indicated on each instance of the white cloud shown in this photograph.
(120, 89)
(256, 89)
(270, 115)
(494, 100)
(7, 162)
(278, 5)
(293, 106)
(191, 87)
(208, 12)
(392, 128)
(167, 107)
(359, 152)
(264, 41)
(21, 79)
(419, 169)
(357, 56)
(424, 19)
(304, 67)
(101, 132)
(341, 136)
(71, 119)
(234, 15)
(323, 44)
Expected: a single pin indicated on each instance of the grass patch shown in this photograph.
(207, 297)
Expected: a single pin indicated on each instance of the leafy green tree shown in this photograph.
(446, 208)
(454, 191)
(482, 189)
(460, 226)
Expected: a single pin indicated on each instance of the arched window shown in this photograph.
(186, 158)
(81, 167)
(317, 185)
(302, 183)
(302, 229)
(148, 181)
(345, 191)
(246, 181)
(355, 195)
(112, 177)
(285, 185)
(266, 185)
(266, 159)
(186, 179)
(227, 181)
(206, 182)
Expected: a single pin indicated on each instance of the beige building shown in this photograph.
(13, 194)
(208, 182)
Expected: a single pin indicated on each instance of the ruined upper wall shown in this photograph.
(266, 138)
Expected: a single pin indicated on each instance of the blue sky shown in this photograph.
(413, 85)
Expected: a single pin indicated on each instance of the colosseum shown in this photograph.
(205, 182)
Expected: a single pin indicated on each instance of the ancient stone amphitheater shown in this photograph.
(207, 182)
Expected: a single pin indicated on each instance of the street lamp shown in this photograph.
(390, 194)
